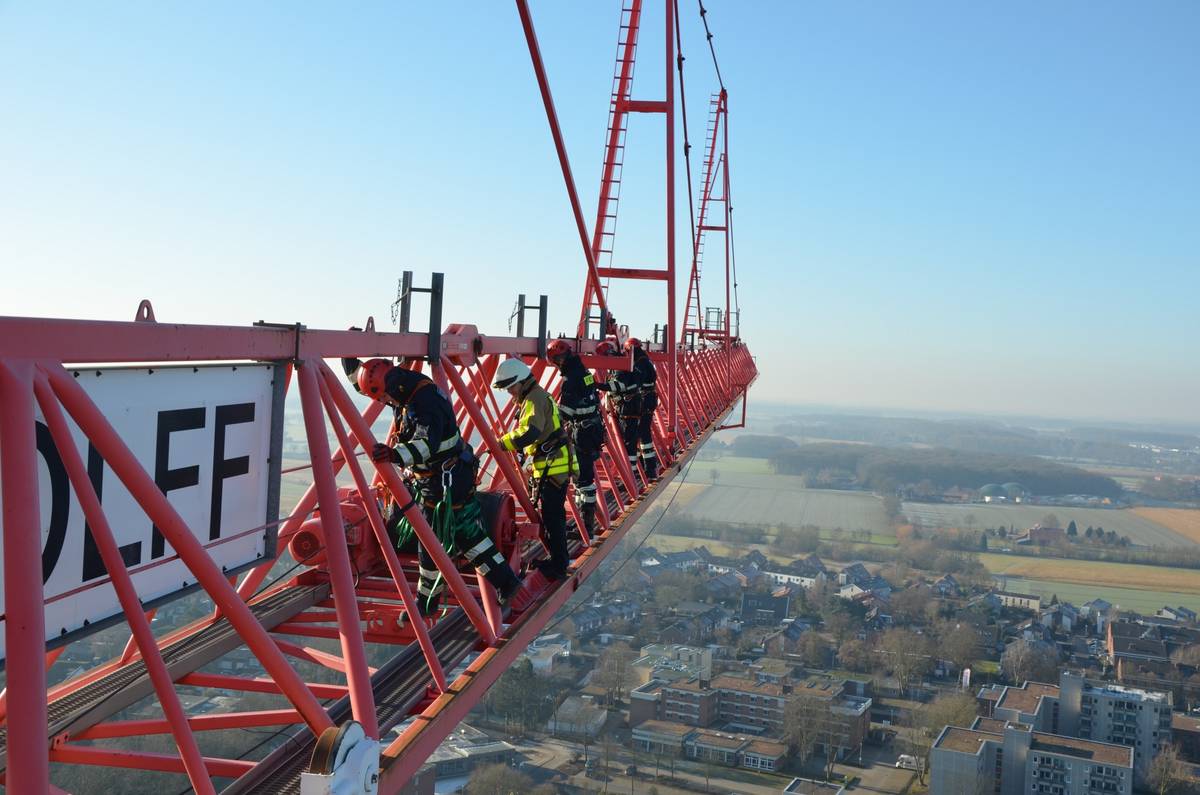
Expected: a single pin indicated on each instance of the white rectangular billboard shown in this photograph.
(210, 436)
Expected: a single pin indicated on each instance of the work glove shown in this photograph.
(381, 452)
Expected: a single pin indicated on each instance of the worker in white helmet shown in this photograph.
(549, 457)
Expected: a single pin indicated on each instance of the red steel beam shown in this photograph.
(257, 685)
(110, 554)
(644, 274)
(70, 754)
(539, 70)
(24, 621)
(643, 106)
(337, 555)
(229, 720)
(669, 61)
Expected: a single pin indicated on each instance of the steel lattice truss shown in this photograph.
(357, 590)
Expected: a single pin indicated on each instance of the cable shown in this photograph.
(733, 264)
(687, 146)
(634, 551)
(709, 36)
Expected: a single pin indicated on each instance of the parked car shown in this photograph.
(910, 762)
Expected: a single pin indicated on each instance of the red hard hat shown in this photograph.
(631, 343)
(372, 377)
(606, 348)
(557, 348)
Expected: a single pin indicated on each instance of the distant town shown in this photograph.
(799, 627)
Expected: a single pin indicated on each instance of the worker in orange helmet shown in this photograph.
(428, 444)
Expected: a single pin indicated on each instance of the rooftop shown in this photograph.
(989, 725)
(767, 748)
(1083, 749)
(691, 685)
(715, 740)
(965, 741)
(1184, 723)
(1126, 692)
(665, 727)
(1025, 698)
(740, 685)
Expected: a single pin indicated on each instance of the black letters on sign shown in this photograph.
(223, 467)
(60, 500)
(93, 564)
(168, 479)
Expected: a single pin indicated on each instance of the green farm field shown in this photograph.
(1140, 529)
(1125, 598)
(771, 502)
(745, 491)
(1095, 574)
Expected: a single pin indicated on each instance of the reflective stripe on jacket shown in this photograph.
(539, 431)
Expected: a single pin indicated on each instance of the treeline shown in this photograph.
(691, 527)
(1171, 557)
(885, 469)
(756, 446)
(1097, 444)
(1170, 489)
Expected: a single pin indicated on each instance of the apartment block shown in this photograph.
(1108, 713)
(1007, 758)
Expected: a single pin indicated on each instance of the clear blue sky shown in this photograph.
(947, 206)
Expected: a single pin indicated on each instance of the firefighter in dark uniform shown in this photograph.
(625, 390)
(647, 378)
(579, 406)
(540, 436)
(427, 442)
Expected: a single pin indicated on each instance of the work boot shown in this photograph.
(588, 512)
(548, 570)
(651, 467)
(508, 590)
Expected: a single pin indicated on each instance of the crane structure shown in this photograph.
(142, 460)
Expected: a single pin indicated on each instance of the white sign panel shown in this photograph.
(209, 436)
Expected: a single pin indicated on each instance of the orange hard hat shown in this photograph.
(372, 377)
(606, 348)
(557, 348)
(631, 343)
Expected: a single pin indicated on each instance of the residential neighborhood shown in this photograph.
(815, 675)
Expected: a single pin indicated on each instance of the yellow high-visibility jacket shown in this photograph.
(539, 431)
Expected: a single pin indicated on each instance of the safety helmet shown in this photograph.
(372, 377)
(557, 348)
(631, 343)
(509, 372)
(606, 348)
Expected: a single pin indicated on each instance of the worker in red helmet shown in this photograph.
(647, 378)
(625, 392)
(427, 443)
(579, 406)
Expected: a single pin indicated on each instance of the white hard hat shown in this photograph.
(509, 372)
